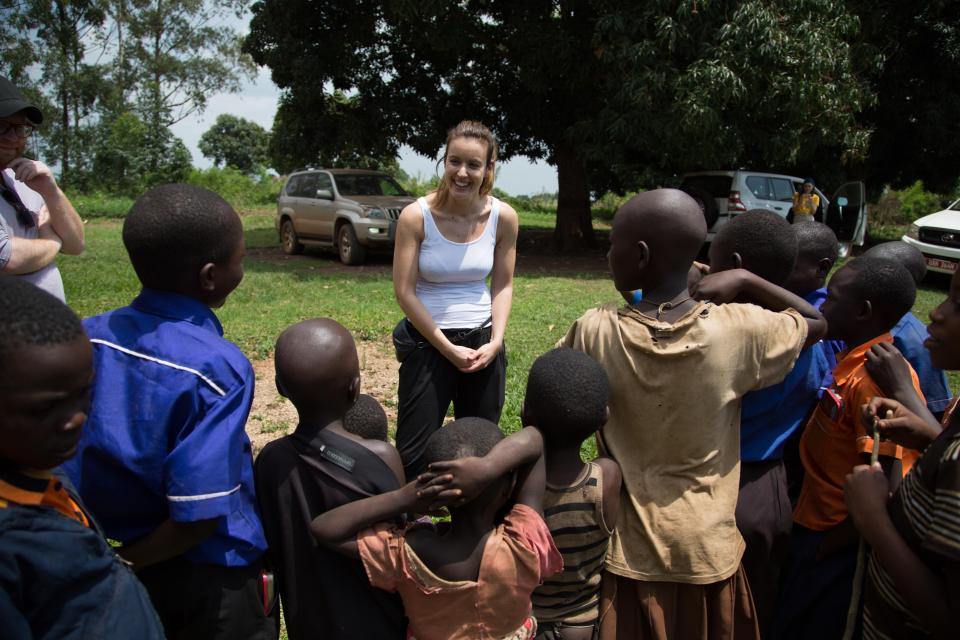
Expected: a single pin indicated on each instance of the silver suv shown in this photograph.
(350, 209)
(725, 194)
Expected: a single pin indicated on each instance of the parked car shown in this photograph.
(725, 194)
(938, 236)
(352, 210)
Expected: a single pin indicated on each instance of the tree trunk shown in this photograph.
(574, 228)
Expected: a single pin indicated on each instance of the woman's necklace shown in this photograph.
(661, 307)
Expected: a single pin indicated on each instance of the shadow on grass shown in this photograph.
(536, 257)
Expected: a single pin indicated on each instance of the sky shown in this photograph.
(257, 101)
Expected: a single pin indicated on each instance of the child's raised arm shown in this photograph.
(466, 478)
(337, 528)
(726, 286)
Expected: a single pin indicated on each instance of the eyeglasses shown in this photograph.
(20, 130)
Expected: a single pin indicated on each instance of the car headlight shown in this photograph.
(374, 212)
(913, 231)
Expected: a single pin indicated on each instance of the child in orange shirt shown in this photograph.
(912, 588)
(865, 299)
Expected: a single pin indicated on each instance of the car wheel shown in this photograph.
(707, 204)
(351, 252)
(289, 239)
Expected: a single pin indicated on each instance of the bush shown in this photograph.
(906, 205)
(100, 205)
(237, 188)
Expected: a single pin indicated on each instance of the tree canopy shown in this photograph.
(236, 142)
(616, 94)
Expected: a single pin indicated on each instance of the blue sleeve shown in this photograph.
(202, 474)
(908, 337)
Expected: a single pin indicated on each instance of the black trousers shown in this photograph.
(208, 601)
(429, 383)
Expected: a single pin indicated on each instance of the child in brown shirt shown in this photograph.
(678, 367)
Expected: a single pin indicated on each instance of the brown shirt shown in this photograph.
(674, 428)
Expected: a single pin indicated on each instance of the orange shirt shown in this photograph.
(517, 556)
(38, 488)
(835, 440)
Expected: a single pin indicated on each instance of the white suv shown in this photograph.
(725, 194)
(938, 237)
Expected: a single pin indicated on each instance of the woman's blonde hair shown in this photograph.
(477, 131)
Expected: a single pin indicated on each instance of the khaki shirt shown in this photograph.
(674, 428)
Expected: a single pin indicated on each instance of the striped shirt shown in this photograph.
(574, 515)
(926, 513)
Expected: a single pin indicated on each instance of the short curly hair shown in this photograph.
(29, 316)
(172, 230)
(567, 394)
(767, 244)
(887, 284)
(906, 254)
(463, 438)
(366, 418)
(816, 241)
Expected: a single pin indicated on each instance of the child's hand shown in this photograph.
(425, 493)
(889, 369)
(866, 491)
(898, 423)
(719, 288)
(460, 481)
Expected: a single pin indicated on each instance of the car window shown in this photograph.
(292, 185)
(716, 186)
(782, 189)
(324, 182)
(955, 206)
(308, 186)
(368, 185)
(760, 187)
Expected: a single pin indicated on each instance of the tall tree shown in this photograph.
(57, 37)
(236, 142)
(916, 118)
(612, 92)
(177, 53)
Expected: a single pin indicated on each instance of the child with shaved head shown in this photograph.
(321, 466)
(908, 336)
(678, 365)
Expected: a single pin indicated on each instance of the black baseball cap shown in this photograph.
(12, 101)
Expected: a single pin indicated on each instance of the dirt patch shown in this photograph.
(273, 416)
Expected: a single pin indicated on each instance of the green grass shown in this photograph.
(99, 205)
(277, 293)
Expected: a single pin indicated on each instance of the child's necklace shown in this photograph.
(661, 307)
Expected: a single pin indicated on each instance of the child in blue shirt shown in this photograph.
(910, 332)
(765, 244)
(58, 576)
(165, 463)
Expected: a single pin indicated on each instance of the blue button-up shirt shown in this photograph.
(769, 416)
(165, 435)
(908, 337)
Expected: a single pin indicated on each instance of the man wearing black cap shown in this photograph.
(37, 220)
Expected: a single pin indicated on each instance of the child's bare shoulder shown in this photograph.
(386, 452)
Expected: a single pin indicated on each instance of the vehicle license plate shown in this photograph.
(936, 263)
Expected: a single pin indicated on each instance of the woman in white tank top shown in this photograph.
(447, 244)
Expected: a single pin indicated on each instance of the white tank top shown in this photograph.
(452, 283)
